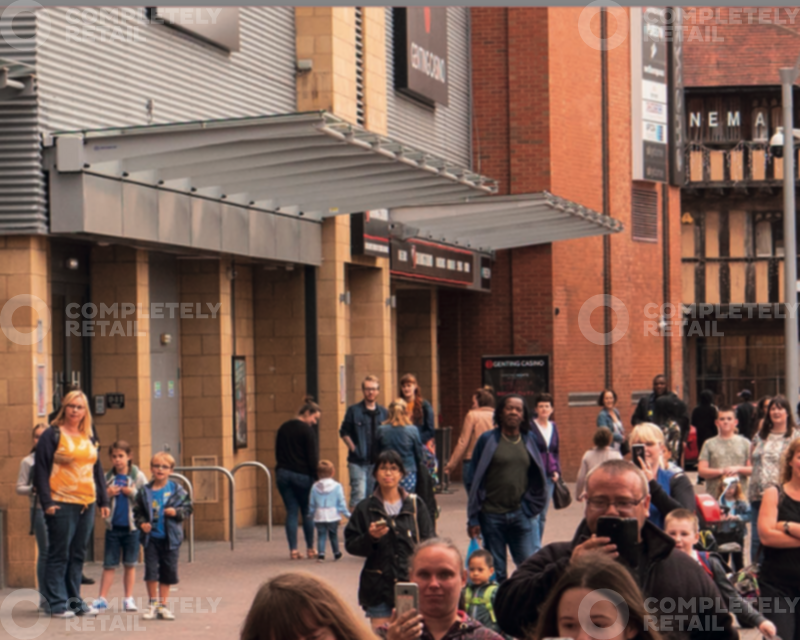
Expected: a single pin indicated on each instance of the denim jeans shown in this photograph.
(327, 530)
(40, 532)
(755, 541)
(295, 489)
(362, 484)
(539, 521)
(68, 531)
(514, 530)
(467, 474)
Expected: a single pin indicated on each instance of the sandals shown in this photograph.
(312, 554)
(296, 555)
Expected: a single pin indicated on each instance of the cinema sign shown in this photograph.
(420, 53)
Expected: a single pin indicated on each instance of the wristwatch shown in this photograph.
(786, 528)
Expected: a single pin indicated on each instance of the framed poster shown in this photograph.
(527, 376)
(239, 402)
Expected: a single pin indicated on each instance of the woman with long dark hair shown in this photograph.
(776, 433)
(296, 471)
(610, 419)
(68, 478)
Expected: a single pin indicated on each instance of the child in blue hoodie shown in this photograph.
(326, 507)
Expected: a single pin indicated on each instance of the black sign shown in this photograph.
(527, 376)
(216, 25)
(369, 233)
(433, 262)
(677, 133)
(420, 53)
(115, 400)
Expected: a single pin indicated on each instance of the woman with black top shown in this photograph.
(296, 470)
(704, 418)
(779, 530)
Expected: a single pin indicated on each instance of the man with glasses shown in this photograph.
(620, 489)
(358, 432)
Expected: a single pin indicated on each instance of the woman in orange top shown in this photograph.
(69, 481)
(477, 422)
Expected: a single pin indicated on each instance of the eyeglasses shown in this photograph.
(76, 407)
(622, 505)
(371, 389)
(160, 466)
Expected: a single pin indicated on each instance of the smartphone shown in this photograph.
(637, 453)
(406, 597)
(381, 522)
(624, 532)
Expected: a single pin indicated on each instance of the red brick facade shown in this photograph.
(548, 136)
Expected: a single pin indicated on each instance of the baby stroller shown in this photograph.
(716, 533)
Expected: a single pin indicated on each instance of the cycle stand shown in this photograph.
(264, 468)
(191, 516)
(231, 493)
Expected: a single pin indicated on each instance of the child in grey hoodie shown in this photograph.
(326, 507)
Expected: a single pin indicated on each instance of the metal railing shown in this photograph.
(231, 493)
(263, 467)
(191, 515)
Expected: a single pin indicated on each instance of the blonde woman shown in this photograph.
(68, 478)
(669, 487)
(399, 434)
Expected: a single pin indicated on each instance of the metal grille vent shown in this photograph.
(360, 107)
(644, 215)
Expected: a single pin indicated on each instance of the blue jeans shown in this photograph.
(123, 543)
(68, 532)
(327, 530)
(40, 532)
(362, 484)
(514, 530)
(295, 489)
(539, 521)
(755, 542)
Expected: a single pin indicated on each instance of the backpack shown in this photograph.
(702, 556)
(745, 581)
(485, 613)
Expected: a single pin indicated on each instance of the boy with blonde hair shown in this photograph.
(326, 507)
(159, 511)
(683, 527)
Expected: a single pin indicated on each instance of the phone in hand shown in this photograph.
(624, 532)
(380, 523)
(406, 597)
(637, 453)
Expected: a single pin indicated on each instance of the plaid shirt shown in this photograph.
(464, 628)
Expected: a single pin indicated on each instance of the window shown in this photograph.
(644, 215)
(768, 234)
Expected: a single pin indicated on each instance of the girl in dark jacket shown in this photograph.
(384, 529)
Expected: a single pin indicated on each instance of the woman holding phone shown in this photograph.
(384, 529)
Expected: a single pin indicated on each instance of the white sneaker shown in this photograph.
(101, 604)
(129, 604)
(89, 610)
(151, 613)
(63, 614)
(165, 614)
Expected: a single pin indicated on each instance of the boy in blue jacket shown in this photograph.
(159, 511)
(326, 506)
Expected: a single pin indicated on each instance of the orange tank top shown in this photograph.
(73, 483)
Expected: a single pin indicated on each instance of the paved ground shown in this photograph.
(216, 590)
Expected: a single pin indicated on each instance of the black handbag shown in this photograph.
(561, 495)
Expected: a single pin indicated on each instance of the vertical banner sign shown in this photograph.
(649, 94)
(677, 133)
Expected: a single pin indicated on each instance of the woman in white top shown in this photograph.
(603, 450)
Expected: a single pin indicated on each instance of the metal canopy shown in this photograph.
(308, 164)
(506, 222)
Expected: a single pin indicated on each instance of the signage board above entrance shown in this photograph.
(420, 53)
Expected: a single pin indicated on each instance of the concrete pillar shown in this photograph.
(23, 270)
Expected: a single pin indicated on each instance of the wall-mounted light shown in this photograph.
(166, 338)
(391, 301)
(304, 66)
(72, 264)
(345, 297)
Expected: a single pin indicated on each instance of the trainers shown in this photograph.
(321, 557)
(63, 614)
(87, 610)
(337, 556)
(101, 604)
(164, 613)
(129, 604)
(151, 613)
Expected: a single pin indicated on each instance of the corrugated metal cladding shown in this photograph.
(444, 131)
(94, 83)
(23, 207)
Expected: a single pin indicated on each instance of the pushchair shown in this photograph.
(716, 533)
